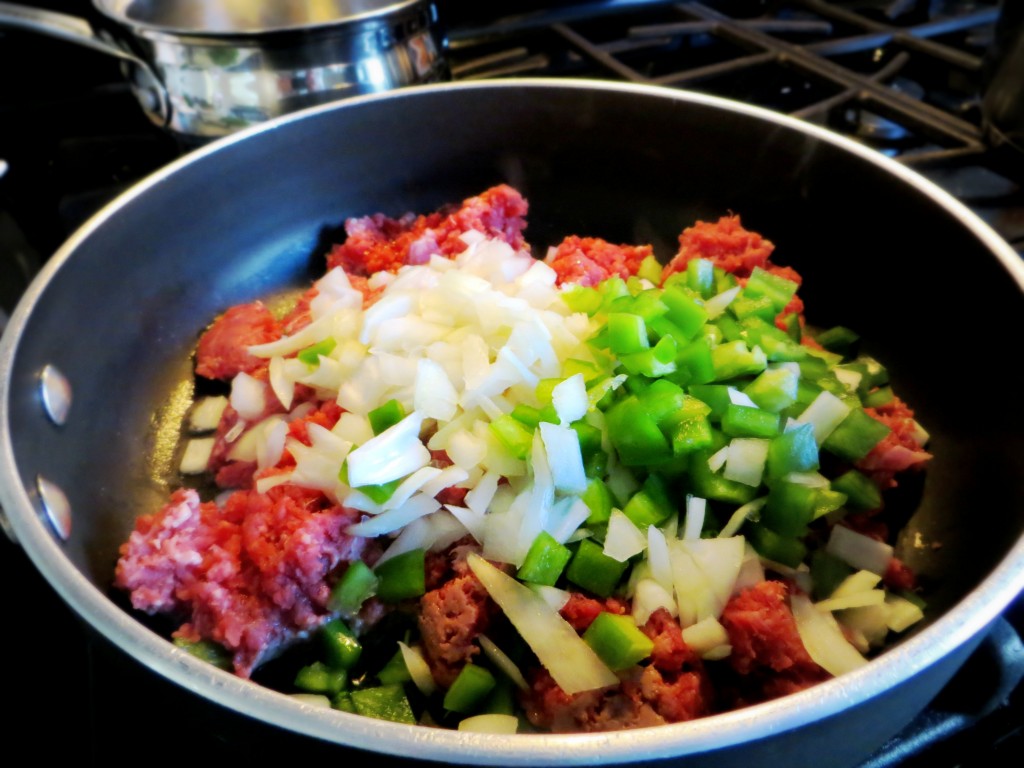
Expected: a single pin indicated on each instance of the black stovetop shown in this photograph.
(904, 76)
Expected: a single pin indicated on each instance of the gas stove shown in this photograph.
(907, 77)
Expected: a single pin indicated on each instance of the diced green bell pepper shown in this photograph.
(734, 359)
(773, 546)
(700, 277)
(854, 438)
(635, 435)
(320, 678)
(690, 435)
(793, 451)
(878, 397)
(593, 570)
(696, 361)
(512, 434)
(650, 269)
(394, 672)
(386, 416)
(311, 354)
(744, 421)
(778, 289)
(469, 690)
(599, 501)
(342, 648)
(384, 702)
(838, 339)
(774, 390)
(684, 311)
(861, 492)
(627, 333)
(402, 577)
(545, 560)
(617, 640)
(827, 573)
(650, 505)
(356, 586)
(208, 651)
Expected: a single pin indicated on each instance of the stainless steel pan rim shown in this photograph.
(244, 18)
(961, 625)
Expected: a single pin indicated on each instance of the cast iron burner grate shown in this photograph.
(905, 78)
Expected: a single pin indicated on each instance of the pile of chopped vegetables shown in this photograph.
(466, 487)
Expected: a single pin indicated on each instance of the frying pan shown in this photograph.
(936, 295)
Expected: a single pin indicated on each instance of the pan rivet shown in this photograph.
(56, 393)
(56, 506)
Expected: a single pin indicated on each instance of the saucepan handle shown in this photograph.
(76, 30)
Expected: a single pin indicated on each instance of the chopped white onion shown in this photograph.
(849, 378)
(435, 397)
(823, 639)
(411, 485)
(570, 399)
(565, 518)
(825, 413)
(719, 560)
(248, 396)
(418, 669)
(706, 635)
(497, 724)
(394, 453)
(739, 398)
(649, 596)
(855, 600)
(747, 457)
(746, 512)
(570, 661)
(624, 539)
(267, 482)
(393, 519)
(859, 550)
(196, 457)
(474, 522)
(499, 658)
(448, 477)
(205, 414)
(716, 305)
(902, 613)
(717, 460)
(658, 557)
(855, 583)
(556, 598)
(562, 448)
(696, 508)
(751, 570)
(270, 443)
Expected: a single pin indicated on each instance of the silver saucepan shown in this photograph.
(204, 68)
(934, 292)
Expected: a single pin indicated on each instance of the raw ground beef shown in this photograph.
(379, 243)
(251, 576)
(898, 451)
(223, 349)
(767, 653)
(454, 612)
(725, 243)
(588, 261)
